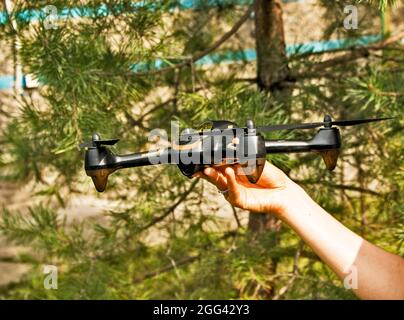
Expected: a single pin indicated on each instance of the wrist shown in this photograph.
(294, 201)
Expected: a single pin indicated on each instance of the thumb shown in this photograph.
(272, 177)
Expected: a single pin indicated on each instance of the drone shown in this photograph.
(219, 143)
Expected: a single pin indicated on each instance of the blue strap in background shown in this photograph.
(76, 12)
(291, 49)
(6, 82)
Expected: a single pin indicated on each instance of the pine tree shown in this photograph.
(122, 68)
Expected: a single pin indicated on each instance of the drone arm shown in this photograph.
(143, 158)
(132, 160)
(287, 146)
(101, 162)
(326, 142)
(325, 139)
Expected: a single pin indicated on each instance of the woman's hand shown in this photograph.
(273, 193)
(379, 274)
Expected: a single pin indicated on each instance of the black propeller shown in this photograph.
(326, 123)
(96, 142)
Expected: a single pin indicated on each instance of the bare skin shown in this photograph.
(379, 274)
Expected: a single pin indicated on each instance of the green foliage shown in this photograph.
(383, 4)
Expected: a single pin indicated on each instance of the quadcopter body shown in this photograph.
(218, 143)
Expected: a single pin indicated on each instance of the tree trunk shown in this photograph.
(272, 63)
(272, 73)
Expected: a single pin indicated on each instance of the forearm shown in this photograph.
(380, 275)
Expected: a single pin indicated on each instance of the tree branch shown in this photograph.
(295, 272)
(202, 53)
(342, 187)
(167, 268)
(172, 208)
(181, 262)
(239, 225)
(376, 46)
(356, 53)
(10, 260)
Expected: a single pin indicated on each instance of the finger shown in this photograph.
(215, 177)
(238, 172)
(232, 184)
(240, 175)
